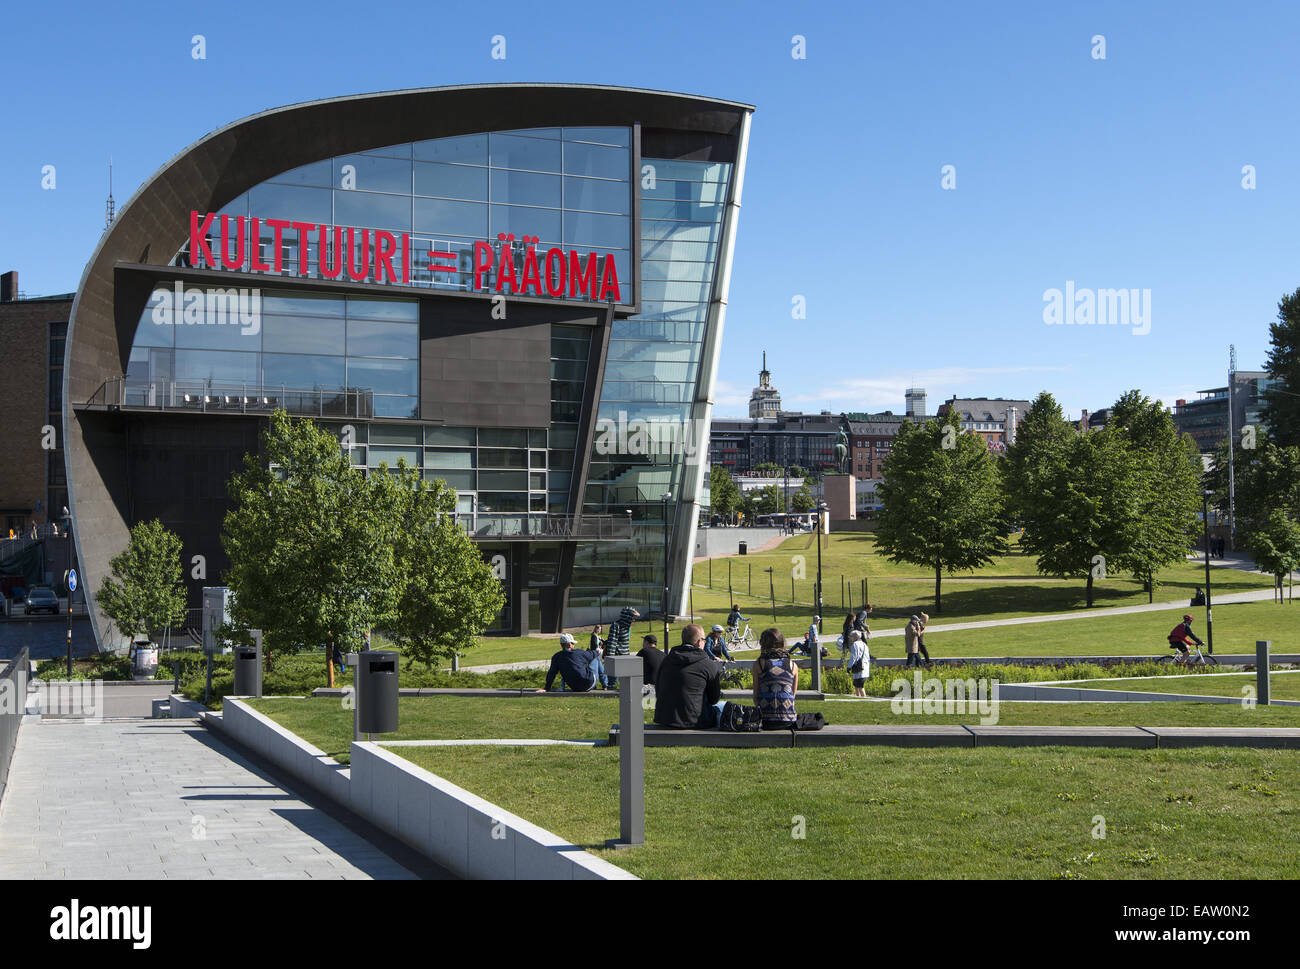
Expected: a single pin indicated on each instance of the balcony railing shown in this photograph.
(231, 398)
(537, 526)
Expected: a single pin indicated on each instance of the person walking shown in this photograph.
(855, 662)
(849, 620)
(911, 640)
(920, 641)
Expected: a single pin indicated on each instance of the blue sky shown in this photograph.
(1117, 173)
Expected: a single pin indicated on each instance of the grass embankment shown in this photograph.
(1282, 685)
(325, 723)
(894, 813)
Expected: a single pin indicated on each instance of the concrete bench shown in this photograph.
(1018, 736)
(848, 735)
(1259, 737)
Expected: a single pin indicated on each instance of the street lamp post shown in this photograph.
(1209, 615)
(664, 605)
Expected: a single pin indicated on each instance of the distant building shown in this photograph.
(915, 397)
(1206, 418)
(1095, 420)
(992, 418)
(791, 438)
(765, 401)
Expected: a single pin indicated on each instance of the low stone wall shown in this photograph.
(723, 540)
(467, 835)
(13, 704)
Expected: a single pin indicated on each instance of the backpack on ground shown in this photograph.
(738, 719)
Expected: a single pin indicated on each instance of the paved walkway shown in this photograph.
(162, 799)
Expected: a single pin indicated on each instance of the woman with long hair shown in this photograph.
(776, 681)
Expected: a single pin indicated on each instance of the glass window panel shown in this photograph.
(394, 434)
(691, 171)
(567, 390)
(449, 435)
(596, 195)
(371, 339)
(527, 188)
(148, 364)
(302, 334)
(303, 305)
(497, 458)
(568, 369)
(466, 150)
(216, 366)
(536, 438)
(451, 181)
(460, 480)
(600, 231)
(502, 480)
(561, 459)
(151, 334)
(602, 136)
(683, 211)
(391, 455)
(369, 209)
(559, 480)
(270, 201)
(651, 232)
(534, 132)
(361, 307)
(660, 290)
(397, 407)
(384, 376)
(502, 437)
(215, 336)
(687, 272)
(369, 173)
(665, 188)
(302, 372)
(537, 480)
(501, 501)
(397, 151)
(563, 436)
(448, 459)
(564, 349)
(437, 216)
(237, 206)
(529, 154)
(596, 160)
(315, 174)
(525, 221)
(537, 502)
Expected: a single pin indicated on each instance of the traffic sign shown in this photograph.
(72, 580)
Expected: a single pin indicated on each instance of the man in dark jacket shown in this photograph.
(653, 657)
(689, 688)
(579, 669)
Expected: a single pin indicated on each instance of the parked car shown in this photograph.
(41, 599)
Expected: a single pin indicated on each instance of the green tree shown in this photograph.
(1082, 506)
(311, 541)
(769, 500)
(1168, 479)
(1282, 403)
(1267, 479)
(942, 501)
(724, 496)
(747, 505)
(144, 591)
(449, 593)
(1041, 439)
(1276, 544)
(802, 500)
(768, 469)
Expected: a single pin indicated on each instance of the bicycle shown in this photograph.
(1194, 657)
(742, 639)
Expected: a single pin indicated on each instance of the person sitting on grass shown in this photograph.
(580, 670)
(716, 644)
(689, 688)
(776, 681)
(856, 662)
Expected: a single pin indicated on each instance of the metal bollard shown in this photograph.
(1261, 670)
(630, 673)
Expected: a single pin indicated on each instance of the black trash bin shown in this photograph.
(248, 671)
(377, 691)
(744, 548)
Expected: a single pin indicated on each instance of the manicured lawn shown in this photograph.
(1282, 685)
(325, 723)
(895, 813)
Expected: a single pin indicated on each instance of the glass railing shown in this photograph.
(228, 398)
(540, 526)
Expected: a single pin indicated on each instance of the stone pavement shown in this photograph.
(163, 799)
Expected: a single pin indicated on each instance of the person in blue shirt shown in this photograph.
(716, 644)
(734, 618)
(580, 670)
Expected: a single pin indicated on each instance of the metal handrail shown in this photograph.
(229, 397)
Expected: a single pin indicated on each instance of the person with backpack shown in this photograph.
(856, 662)
(776, 682)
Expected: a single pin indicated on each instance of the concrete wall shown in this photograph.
(13, 703)
(726, 541)
(467, 835)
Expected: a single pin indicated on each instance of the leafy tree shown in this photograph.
(144, 591)
(1168, 468)
(724, 496)
(1041, 438)
(1082, 507)
(311, 541)
(1282, 403)
(1267, 479)
(747, 505)
(768, 469)
(1276, 545)
(942, 504)
(449, 593)
(769, 500)
(802, 500)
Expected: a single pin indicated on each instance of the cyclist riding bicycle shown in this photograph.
(716, 644)
(1181, 634)
(734, 618)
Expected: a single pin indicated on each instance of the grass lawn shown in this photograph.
(1008, 587)
(325, 723)
(1282, 685)
(896, 813)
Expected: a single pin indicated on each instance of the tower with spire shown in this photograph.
(765, 401)
(109, 207)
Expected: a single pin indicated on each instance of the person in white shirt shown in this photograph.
(856, 662)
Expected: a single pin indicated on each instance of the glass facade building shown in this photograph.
(435, 300)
